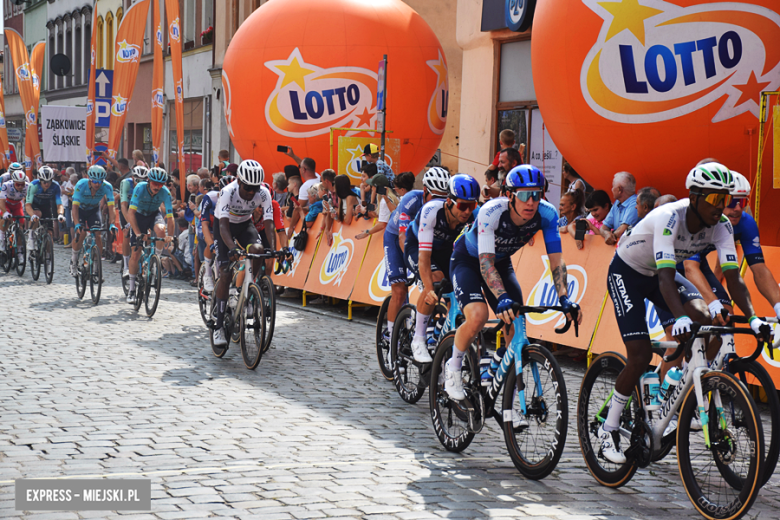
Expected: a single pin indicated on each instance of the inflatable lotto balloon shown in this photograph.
(653, 86)
(296, 68)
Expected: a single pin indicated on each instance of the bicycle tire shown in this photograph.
(203, 298)
(125, 280)
(383, 345)
(534, 456)
(407, 374)
(600, 377)
(108, 241)
(152, 296)
(449, 422)
(252, 346)
(746, 432)
(741, 369)
(35, 263)
(95, 275)
(267, 289)
(48, 258)
(6, 259)
(218, 351)
(81, 278)
(140, 287)
(21, 246)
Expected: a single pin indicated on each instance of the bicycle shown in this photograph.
(268, 290)
(382, 336)
(15, 245)
(42, 252)
(149, 278)
(535, 449)
(731, 428)
(89, 267)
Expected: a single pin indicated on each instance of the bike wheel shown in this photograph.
(21, 247)
(736, 449)
(592, 408)
(203, 297)
(535, 450)
(81, 275)
(407, 374)
(108, 241)
(35, 262)
(95, 275)
(383, 344)
(140, 287)
(252, 322)
(48, 258)
(218, 351)
(267, 289)
(154, 281)
(450, 420)
(6, 258)
(754, 373)
(125, 280)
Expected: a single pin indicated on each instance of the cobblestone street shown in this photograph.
(314, 432)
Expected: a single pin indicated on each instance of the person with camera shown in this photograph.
(388, 202)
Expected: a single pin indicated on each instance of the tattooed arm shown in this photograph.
(487, 265)
(559, 274)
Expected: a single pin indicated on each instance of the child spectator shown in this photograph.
(491, 177)
(315, 205)
(367, 193)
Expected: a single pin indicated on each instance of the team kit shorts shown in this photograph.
(468, 283)
(244, 235)
(145, 224)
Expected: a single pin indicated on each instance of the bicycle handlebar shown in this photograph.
(518, 308)
(698, 330)
(284, 259)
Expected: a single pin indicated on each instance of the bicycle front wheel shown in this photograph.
(81, 275)
(252, 321)
(407, 375)
(536, 449)
(269, 299)
(722, 480)
(48, 258)
(218, 350)
(140, 287)
(154, 279)
(35, 262)
(383, 341)
(95, 275)
(6, 257)
(21, 249)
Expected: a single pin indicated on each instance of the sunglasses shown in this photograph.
(467, 206)
(736, 202)
(250, 189)
(156, 184)
(525, 196)
(716, 199)
(96, 182)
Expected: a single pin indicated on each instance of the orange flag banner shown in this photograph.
(127, 55)
(5, 150)
(24, 79)
(174, 37)
(90, 144)
(36, 64)
(158, 79)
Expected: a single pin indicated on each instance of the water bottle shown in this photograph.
(484, 369)
(496, 361)
(435, 334)
(650, 385)
(671, 380)
(233, 298)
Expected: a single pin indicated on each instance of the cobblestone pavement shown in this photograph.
(314, 432)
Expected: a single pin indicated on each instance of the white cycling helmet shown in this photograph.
(15, 166)
(741, 186)
(140, 172)
(45, 174)
(18, 176)
(713, 176)
(438, 179)
(250, 172)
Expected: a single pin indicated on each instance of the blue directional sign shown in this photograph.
(104, 83)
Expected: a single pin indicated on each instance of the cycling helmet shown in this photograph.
(157, 175)
(464, 187)
(741, 188)
(524, 176)
(15, 166)
(18, 176)
(224, 181)
(437, 178)
(45, 174)
(96, 173)
(250, 172)
(713, 176)
(140, 172)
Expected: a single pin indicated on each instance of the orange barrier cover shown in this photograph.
(296, 276)
(371, 284)
(335, 268)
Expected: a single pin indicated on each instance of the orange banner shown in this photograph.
(371, 285)
(36, 64)
(158, 80)
(5, 150)
(296, 276)
(127, 54)
(24, 79)
(174, 38)
(335, 268)
(90, 144)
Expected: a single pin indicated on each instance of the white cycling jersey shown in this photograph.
(11, 194)
(662, 239)
(231, 205)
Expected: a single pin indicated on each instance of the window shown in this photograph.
(87, 49)
(188, 28)
(119, 14)
(208, 14)
(100, 43)
(77, 59)
(52, 51)
(69, 54)
(109, 64)
(193, 136)
(516, 81)
(59, 50)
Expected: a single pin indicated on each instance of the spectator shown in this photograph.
(507, 159)
(203, 173)
(570, 208)
(315, 205)
(310, 177)
(645, 201)
(367, 192)
(138, 159)
(597, 206)
(175, 257)
(575, 181)
(292, 171)
(387, 201)
(506, 140)
(293, 190)
(623, 213)
(280, 188)
(348, 199)
(491, 177)
(192, 212)
(371, 155)
(664, 199)
(223, 159)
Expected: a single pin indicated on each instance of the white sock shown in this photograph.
(616, 406)
(456, 361)
(74, 256)
(131, 285)
(422, 324)
(207, 273)
(127, 261)
(390, 328)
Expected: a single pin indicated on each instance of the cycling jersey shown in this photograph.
(407, 208)
(431, 228)
(495, 233)
(126, 188)
(207, 207)
(235, 208)
(278, 221)
(11, 195)
(147, 204)
(746, 233)
(83, 197)
(37, 195)
(662, 239)
(5, 177)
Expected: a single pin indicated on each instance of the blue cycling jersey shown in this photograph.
(431, 229)
(495, 233)
(83, 197)
(146, 204)
(746, 233)
(37, 194)
(126, 188)
(405, 212)
(207, 207)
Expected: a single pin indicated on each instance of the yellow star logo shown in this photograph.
(293, 72)
(628, 14)
(440, 67)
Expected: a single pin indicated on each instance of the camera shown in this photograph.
(381, 190)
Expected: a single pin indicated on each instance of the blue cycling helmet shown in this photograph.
(157, 175)
(464, 187)
(96, 173)
(524, 176)
(15, 166)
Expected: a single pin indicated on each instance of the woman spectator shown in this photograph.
(570, 209)
(575, 181)
(404, 183)
(348, 197)
(280, 187)
(138, 159)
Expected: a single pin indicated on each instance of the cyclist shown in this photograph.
(12, 196)
(435, 185)
(207, 207)
(42, 196)
(86, 208)
(126, 187)
(143, 214)
(15, 166)
(482, 262)
(428, 248)
(644, 266)
(237, 202)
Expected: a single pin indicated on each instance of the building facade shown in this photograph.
(14, 113)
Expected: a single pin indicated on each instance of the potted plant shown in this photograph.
(207, 36)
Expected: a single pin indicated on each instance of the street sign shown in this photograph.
(380, 87)
(103, 112)
(104, 83)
